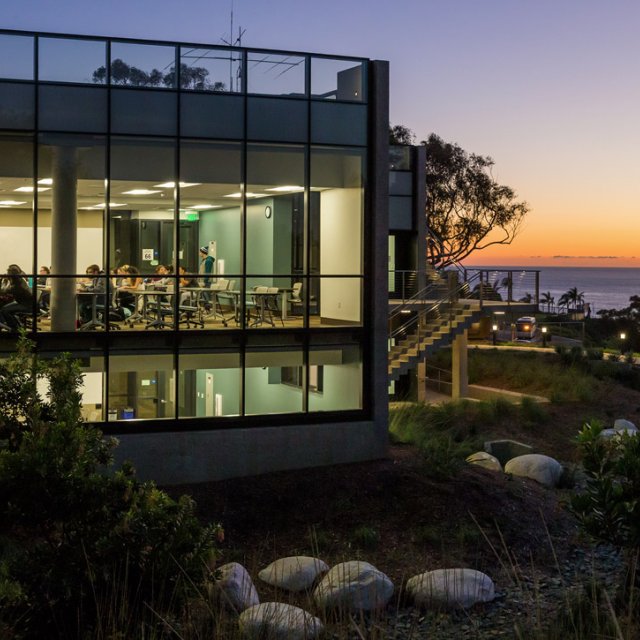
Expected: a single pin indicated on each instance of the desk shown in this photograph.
(159, 322)
(94, 323)
(259, 301)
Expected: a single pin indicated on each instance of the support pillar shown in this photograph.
(64, 243)
(459, 367)
(421, 374)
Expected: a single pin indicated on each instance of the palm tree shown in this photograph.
(547, 299)
(527, 298)
(574, 297)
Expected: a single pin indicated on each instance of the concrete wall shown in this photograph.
(200, 456)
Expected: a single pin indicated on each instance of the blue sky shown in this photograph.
(549, 88)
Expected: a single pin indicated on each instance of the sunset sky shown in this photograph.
(550, 89)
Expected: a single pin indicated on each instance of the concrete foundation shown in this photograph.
(203, 456)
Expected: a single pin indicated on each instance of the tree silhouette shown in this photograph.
(571, 298)
(547, 299)
(467, 210)
(190, 77)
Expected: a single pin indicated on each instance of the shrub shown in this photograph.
(76, 540)
(609, 508)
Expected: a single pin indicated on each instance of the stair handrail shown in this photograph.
(450, 298)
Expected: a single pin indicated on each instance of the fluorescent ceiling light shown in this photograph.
(139, 192)
(182, 185)
(286, 189)
(30, 189)
(102, 205)
(248, 195)
(205, 206)
(45, 181)
(11, 203)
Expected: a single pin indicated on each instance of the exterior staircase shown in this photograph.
(433, 329)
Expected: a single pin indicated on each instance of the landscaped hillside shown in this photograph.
(423, 508)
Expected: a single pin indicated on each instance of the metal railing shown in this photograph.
(510, 286)
(421, 306)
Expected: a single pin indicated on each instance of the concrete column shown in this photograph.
(64, 223)
(459, 367)
(421, 374)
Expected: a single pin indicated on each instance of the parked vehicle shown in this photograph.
(525, 328)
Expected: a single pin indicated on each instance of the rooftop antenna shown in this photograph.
(233, 43)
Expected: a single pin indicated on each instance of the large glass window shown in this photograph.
(141, 386)
(210, 69)
(71, 196)
(209, 385)
(143, 65)
(265, 390)
(16, 57)
(71, 186)
(210, 179)
(72, 60)
(337, 210)
(337, 79)
(335, 378)
(275, 211)
(16, 201)
(275, 74)
(141, 224)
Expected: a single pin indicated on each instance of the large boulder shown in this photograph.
(485, 460)
(609, 434)
(235, 587)
(279, 621)
(543, 469)
(447, 588)
(354, 585)
(295, 573)
(624, 425)
(504, 450)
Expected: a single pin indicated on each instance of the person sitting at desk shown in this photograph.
(92, 283)
(44, 287)
(17, 297)
(129, 282)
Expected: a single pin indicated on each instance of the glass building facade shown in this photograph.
(194, 223)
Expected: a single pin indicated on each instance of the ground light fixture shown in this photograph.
(544, 337)
(495, 328)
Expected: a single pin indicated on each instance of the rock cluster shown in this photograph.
(354, 586)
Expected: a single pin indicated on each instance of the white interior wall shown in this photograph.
(16, 239)
(341, 253)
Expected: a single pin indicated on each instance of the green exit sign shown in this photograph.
(192, 217)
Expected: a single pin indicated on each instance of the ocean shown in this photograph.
(603, 288)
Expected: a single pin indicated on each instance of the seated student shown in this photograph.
(16, 295)
(129, 282)
(44, 286)
(186, 281)
(161, 276)
(92, 283)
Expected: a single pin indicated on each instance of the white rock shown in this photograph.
(616, 433)
(279, 621)
(235, 587)
(354, 585)
(543, 469)
(451, 588)
(295, 573)
(485, 460)
(624, 425)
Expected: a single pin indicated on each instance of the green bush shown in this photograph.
(78, 543)
(609, 508)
